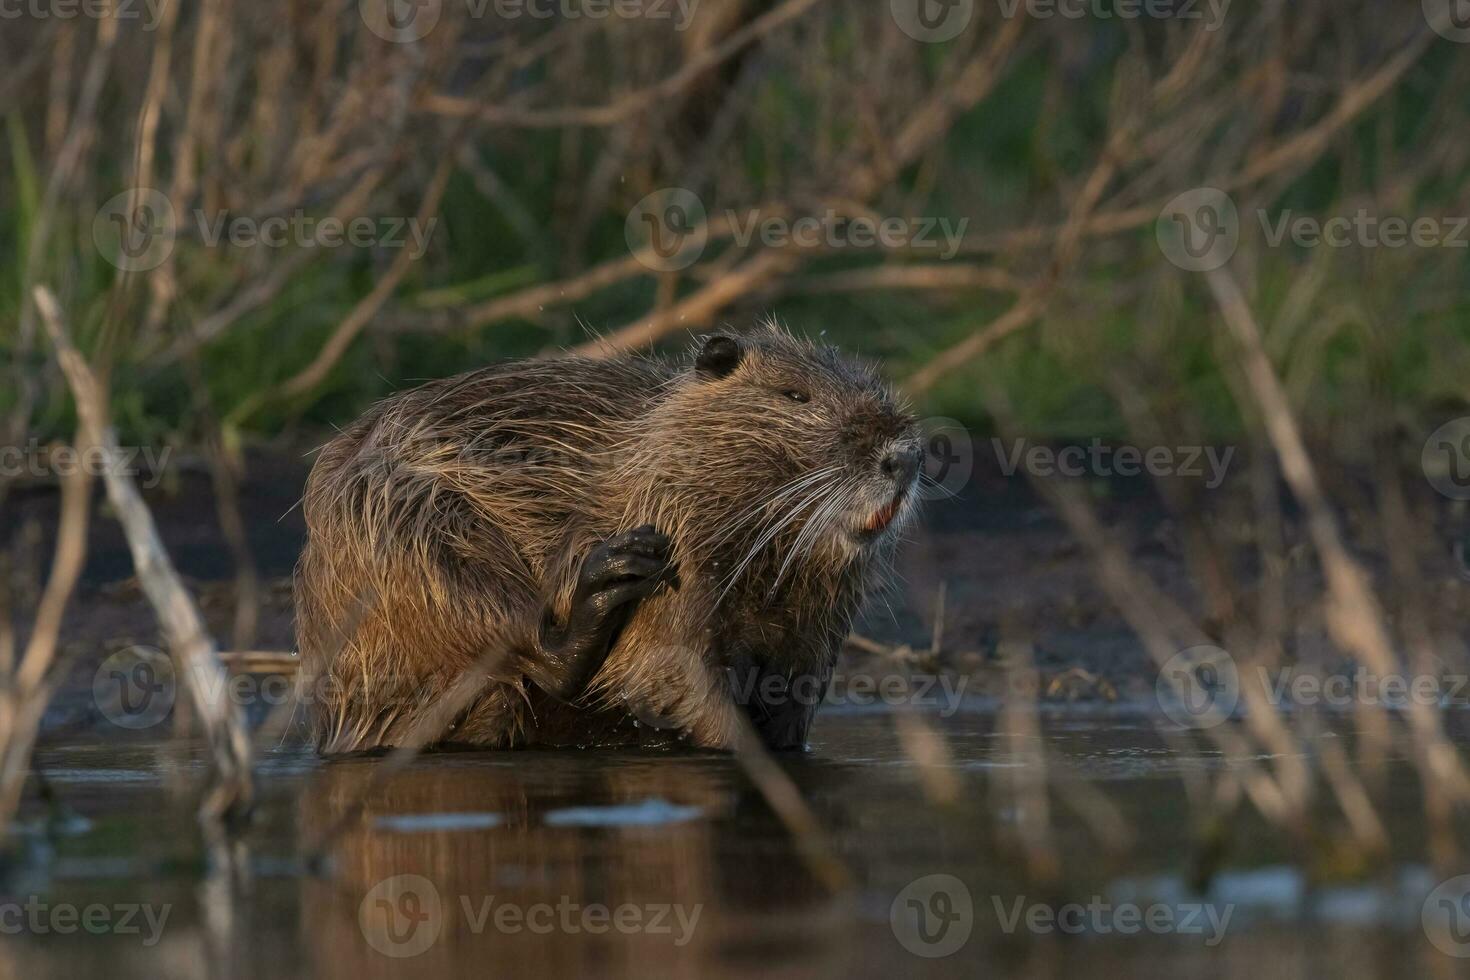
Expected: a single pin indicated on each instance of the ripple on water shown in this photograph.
(428, 823)
(647, 813)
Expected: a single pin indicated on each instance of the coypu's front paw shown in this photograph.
(614, 578)
(623, 570)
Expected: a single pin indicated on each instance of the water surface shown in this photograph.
(548, 863)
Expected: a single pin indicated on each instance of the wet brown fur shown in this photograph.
(447, 518)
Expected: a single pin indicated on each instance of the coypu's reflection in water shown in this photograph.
(542, 865)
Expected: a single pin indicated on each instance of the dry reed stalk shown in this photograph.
(26, 690)
(183, 626)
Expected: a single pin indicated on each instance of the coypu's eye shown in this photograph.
(800, 397)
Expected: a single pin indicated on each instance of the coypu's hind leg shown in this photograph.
(780, 699)
(612, 580)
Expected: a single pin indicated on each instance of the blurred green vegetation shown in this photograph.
(1387, 326)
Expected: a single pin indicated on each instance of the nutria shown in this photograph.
(632, 543)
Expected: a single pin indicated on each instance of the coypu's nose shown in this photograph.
(901, 465)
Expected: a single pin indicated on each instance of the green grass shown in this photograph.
(1388, 326)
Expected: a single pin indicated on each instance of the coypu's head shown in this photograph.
(772, 446)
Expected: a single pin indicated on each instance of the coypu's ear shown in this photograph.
(719, 356)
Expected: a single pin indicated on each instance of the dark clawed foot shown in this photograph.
(624, 569)
(614, 578)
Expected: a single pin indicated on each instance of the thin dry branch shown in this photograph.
(347, 331)
(24, 695)
(1084, 220)
(1026, 309)
(928, 124)
(634, 102)
(696, 310)
(916, 277)
(183, 626)
(259, 292)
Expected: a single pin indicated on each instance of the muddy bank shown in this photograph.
(1016, 586)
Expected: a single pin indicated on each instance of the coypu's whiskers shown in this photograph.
(929, 483)
(772, 499)
(818, 497)
(766, 537)
(820, 521)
